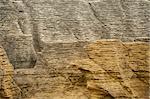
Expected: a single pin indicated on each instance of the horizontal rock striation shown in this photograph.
(101, 69)
(52, 71)
(120, 70)
(35, 22)
(42, 37)
(8, 87)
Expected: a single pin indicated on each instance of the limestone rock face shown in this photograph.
(16, 34)
(52, 73)
(105, 69)
(43, 37)
(34, 22)
(120, 69)
(8, 87)
(73, 20)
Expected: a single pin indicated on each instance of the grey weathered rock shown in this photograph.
(49, 34)
(69, 21)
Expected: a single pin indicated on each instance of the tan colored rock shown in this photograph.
(58, 30)
(120, 69)
(8, 87)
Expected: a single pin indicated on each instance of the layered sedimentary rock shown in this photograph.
(102, 69)
(119, 69)
(35, 22)
(16, 34)
(53, 73)
(42, 37)
(8, 87)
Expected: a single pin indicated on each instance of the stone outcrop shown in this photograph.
(8, 87)
(42, 37)
(20, 50)
(101, 69)
(16, 34)
(34, 22)
(52, 72)
(119, 70)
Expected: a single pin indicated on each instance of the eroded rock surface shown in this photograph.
(97, 70)
(33, 22)
(8, 87)
(42, 37)
(120, 69)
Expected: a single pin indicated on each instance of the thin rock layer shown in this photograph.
(8, 87)
(120, 69)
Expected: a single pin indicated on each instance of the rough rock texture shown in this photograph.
(42, 37)
(52, 72)
(16, 35)
(33, 22)
(8, 87)
(120, 69)
(106, 69)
